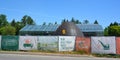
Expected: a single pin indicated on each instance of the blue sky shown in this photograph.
(105, 11)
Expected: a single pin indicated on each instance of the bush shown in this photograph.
(7, 30)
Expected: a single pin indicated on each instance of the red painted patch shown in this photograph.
(83, 44)
(27, 41)
(118, 45)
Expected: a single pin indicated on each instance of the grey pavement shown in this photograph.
(41, 57)
(8, 55)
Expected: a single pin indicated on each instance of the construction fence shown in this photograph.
(94, 44)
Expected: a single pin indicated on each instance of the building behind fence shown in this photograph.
(66, 29)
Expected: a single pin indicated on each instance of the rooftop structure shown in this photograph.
(87, 29)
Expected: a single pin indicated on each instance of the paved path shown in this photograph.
(43, 57)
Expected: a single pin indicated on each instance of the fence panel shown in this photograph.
(103, 45)
(118, 45)
(66, 43)
(9, 42)
(28, 43)
(0, 42)
(83, 44)
(48, 43)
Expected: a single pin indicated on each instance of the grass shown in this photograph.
(62, 52)
(107, 55)
(79, 53)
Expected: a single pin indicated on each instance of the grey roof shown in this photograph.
(90, 27)
(82, 27)
(40, 27)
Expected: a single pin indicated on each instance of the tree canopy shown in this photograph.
(86, 22)
(13, 23)
(27, 20)
(14, 26)
(96, 22)
(3, 20)
(8, 30)
(112, 30)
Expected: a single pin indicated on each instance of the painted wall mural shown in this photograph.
(103, 45)
(83, 44)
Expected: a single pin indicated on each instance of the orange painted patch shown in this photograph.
(63, 31)
(83, 44)
(118, 45)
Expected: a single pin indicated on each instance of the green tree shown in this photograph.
(111, 24)
(30, 21)
(114, 30)
(49, 23)
(106, 31)
(8, 30)
(64, 20)
(24, 20)
(13, 23)
(96, 22)
(27, 20)
(73, 20)
(44, 23)
(67, 20)
(18, 26)
(55, 22)
(115, 24)
(86, 22)
(3, 20)
(78, 22)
